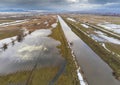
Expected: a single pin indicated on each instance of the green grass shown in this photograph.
(69, 77)
(17, 77)
(40, 76)
(43, 76)
(110, 59)
(113, 47)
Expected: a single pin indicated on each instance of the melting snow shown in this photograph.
(104, 38)
(84, 25)
(13, 23)
(103, 44)
(112, 27)
(110, 39)
(71, 19)
(46, 22)
(54, 25)
(80, 77)
(25, 30)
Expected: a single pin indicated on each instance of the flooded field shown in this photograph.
(55, 50)
(33, 49)
(32, 56)
(59, 42)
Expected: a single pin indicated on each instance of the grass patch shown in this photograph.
(14, 78)
(69, 77)
(40, 76)
(43, 76)
(9, 33)
(113, 47)
(4, 21)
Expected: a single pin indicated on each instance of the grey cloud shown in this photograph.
(103, 1)
(42, 4)
(25, 3)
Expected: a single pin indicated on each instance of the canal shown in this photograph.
(96, 71)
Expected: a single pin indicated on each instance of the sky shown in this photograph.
(61, 5)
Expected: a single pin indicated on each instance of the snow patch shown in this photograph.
(71, 19)
(45, 22)
(13, 23)
(79, 74)
(103, 44)
(101, 37)
(110, 39)
(54, 25)
(84, 25)
(25, 30)
(80, 77)
(112, 27)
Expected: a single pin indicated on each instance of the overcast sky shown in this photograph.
(71, 5)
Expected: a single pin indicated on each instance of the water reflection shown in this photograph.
(36, 47)
(5, 46)
(96, 71)
(13, 42)
(18, 38)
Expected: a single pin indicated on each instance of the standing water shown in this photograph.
(36, 47)
(96, 71)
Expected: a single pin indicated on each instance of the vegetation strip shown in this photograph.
(69, 76)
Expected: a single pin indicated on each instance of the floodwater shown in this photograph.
(34, 48)
(96, 71)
